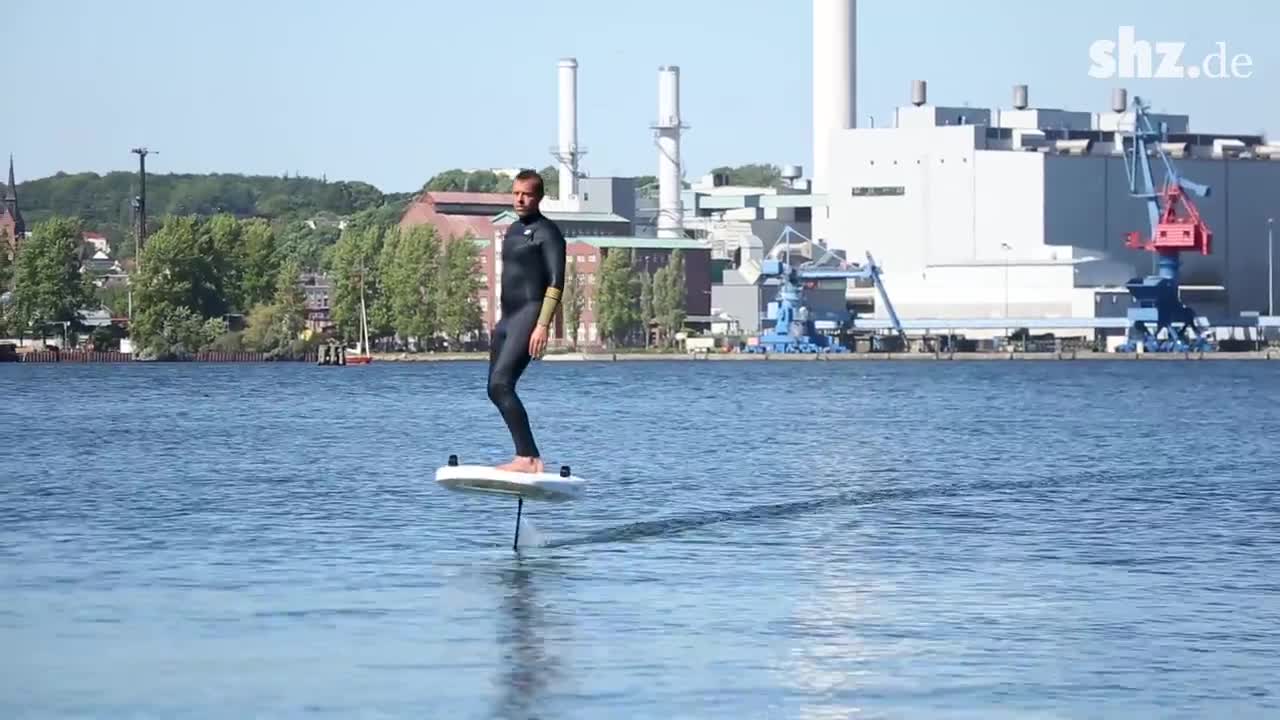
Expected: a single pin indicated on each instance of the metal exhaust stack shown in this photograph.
(919, 93)
(668, 127)
(835, 59)
(1020, 97)
(566, 152)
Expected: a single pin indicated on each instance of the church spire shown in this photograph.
(10, 206)
(11, 192)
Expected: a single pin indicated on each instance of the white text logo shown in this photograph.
(1132, 58)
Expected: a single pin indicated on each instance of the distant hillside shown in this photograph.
(104, 202)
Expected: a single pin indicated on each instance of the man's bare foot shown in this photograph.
(523, 464)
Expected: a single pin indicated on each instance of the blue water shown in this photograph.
(760, 540)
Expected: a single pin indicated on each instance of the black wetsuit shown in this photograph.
(533, 260)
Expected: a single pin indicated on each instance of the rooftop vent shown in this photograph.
(1020, 97)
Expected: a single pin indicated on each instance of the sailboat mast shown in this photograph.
(364, 321)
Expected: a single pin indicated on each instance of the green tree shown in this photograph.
(460, 285)
(263, 332)
(103, 339)
(457, 180)
(166, 331)
(6, 261)
(104, 201)
(382, 311)
(261, 260)
(646, 303)
(356, 259)
(311, 247)
(647, 185)
(184, 265)
(275, 327)
(227, 259)
(573, 303)
(290, 299)
(661, 301)
(669, 298)
(615, 300)
(550, 181)
(188, 281)
(114, 298)
(752, 175)
(48, 285)
(6, 278)
(412, 271)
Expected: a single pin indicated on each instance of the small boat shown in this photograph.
(361, 356)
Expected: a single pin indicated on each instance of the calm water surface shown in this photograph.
(790, 540)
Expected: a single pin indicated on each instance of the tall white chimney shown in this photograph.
(668, 127)
(566, 152)
(834, 79)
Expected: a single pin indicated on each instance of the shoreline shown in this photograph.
(1271, 354)
(77, 358)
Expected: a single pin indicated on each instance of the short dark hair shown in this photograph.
(530, 174)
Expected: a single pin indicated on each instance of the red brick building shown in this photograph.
(12, 226)
(456, 213)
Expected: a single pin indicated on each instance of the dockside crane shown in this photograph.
(1161, 322)
(794, 330)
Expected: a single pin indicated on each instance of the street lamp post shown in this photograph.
(1006, 247)
(1271, 276)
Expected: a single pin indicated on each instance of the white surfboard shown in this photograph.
(550, 486)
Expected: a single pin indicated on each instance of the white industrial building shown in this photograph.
(1023, 212)
(1017, 213)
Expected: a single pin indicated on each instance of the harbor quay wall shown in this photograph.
(103, 357)
(1065, 355)
(1265, 354)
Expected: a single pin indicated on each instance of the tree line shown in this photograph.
(194, 273)
(104, 202)
(240, 243)
(419, 288)
(421, 291)
(290, 202)
(631, 306)
(197, 274)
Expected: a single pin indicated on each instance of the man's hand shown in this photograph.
(538, 341)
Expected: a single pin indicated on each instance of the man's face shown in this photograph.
(526, 197)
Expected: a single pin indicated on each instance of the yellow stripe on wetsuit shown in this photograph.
(549, 302)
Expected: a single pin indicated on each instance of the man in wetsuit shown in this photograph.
(533, 260)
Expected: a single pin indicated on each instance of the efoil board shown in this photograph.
(552, 487)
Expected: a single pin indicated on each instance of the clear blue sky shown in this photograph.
(391, 92)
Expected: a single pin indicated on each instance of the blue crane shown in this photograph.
(794, 329)
(1161, 322)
